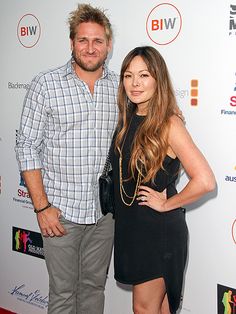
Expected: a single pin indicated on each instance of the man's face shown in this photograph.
(90, 46)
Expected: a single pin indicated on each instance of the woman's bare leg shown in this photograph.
(150, 297)
(165, 309)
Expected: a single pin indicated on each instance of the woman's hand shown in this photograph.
(149, 197)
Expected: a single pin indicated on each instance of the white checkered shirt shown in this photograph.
(66, 131)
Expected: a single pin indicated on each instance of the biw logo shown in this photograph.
(28, 30)
(164, 24)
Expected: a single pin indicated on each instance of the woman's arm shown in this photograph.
(201, 177)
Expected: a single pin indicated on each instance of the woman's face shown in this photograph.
(139, 84)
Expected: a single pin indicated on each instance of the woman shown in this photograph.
(150, 143)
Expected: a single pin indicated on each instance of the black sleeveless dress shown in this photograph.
(149, 244)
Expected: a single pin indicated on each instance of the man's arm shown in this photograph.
(47, 219)
(28, 148)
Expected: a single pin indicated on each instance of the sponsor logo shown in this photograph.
(232, 20)
(231, 105)
(226, 299)
(181, 93)
(228, 112)
(28, 30)
(17, 85)
(233, 101)
(22, 182)
(23, 196)
(30, 296)
(22, 193)
(27, 242)
(194, 93)
(230, 179)
(164, 24)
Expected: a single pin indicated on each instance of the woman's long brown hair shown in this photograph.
(151, 139)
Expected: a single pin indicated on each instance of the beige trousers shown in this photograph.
(77, 265)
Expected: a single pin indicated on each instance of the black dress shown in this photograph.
(149, 244)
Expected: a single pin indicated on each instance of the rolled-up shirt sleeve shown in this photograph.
(31, 132)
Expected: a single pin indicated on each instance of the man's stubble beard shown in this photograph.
(86, 67)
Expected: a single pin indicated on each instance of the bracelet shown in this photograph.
(42, 209)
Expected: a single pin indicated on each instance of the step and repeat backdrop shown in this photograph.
(198, 41)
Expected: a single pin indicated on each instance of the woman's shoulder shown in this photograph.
(177, 132)
(176, 120)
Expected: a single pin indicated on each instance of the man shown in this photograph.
(67, 123)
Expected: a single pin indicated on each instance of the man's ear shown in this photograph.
(71, 44)
(110, 45)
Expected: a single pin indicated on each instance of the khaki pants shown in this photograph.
(77, 265)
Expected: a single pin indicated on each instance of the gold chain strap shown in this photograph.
(122, 189)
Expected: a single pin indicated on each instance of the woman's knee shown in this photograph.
(148, 296)
(139, 309)
(145, 308)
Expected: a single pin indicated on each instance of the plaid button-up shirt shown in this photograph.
(66, 132)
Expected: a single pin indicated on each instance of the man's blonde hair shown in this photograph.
(86, 13)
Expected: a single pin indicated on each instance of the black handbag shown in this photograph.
(106, 189)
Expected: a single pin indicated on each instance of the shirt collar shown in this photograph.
(70, 70)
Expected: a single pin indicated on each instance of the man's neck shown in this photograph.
(88, 77)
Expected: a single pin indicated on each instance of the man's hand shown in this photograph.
(49, 223)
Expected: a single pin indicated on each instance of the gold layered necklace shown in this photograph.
(123, 193)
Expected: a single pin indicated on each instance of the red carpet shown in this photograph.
(3, 311)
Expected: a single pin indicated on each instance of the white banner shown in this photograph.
(198, 41)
